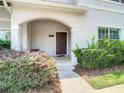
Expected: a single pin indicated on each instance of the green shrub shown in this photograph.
(25, 72)
(103, 54)
(5, 44)
(109, 44)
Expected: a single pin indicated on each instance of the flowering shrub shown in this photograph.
(26, 71)
(5, 54)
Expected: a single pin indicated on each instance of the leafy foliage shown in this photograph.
(26, 71)
(5, 44)
(101, 54)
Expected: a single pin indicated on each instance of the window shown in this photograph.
(8, 36)
(114, 33)
(5, 35)
(122, 1)
(116, 0)
(111, 33)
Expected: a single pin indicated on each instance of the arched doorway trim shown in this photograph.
(48, 18)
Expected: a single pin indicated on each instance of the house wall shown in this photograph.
(4, 13)
(38, 1)
(83, 25)
(65, 1)
(5, 23)
(104, 4)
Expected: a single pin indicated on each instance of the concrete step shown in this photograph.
(67, 74)
(64, 67)
(70, 81)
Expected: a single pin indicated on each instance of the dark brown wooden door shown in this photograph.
(61, 43)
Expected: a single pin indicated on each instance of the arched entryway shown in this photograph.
(24, 15)
(51, 36)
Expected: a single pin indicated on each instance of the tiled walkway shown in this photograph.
(71, 82)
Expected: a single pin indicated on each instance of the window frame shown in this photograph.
(109, 29)
(5, 32)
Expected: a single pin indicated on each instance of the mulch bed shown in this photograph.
(89, 74)
(54, 87)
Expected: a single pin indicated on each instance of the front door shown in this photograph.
(61, 43)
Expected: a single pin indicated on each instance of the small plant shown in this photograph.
(77, 51)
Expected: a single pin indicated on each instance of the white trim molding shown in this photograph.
(110, 26)
(104, 9)
(113, 2)
(51, 5)
(82, 8)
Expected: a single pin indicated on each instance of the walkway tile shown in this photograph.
(74, 85)
(67, 74)
(70, 81)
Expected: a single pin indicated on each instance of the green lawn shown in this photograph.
(107, 80)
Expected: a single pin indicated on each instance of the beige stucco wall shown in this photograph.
(4, 13)
(5, 18)
(27, 14)
(83, 25)
(5, 24)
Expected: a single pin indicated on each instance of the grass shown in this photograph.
(107, 80)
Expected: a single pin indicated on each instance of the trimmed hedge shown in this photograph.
(100, 55)
(25, 72)
(5, 44)
(99, 58)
